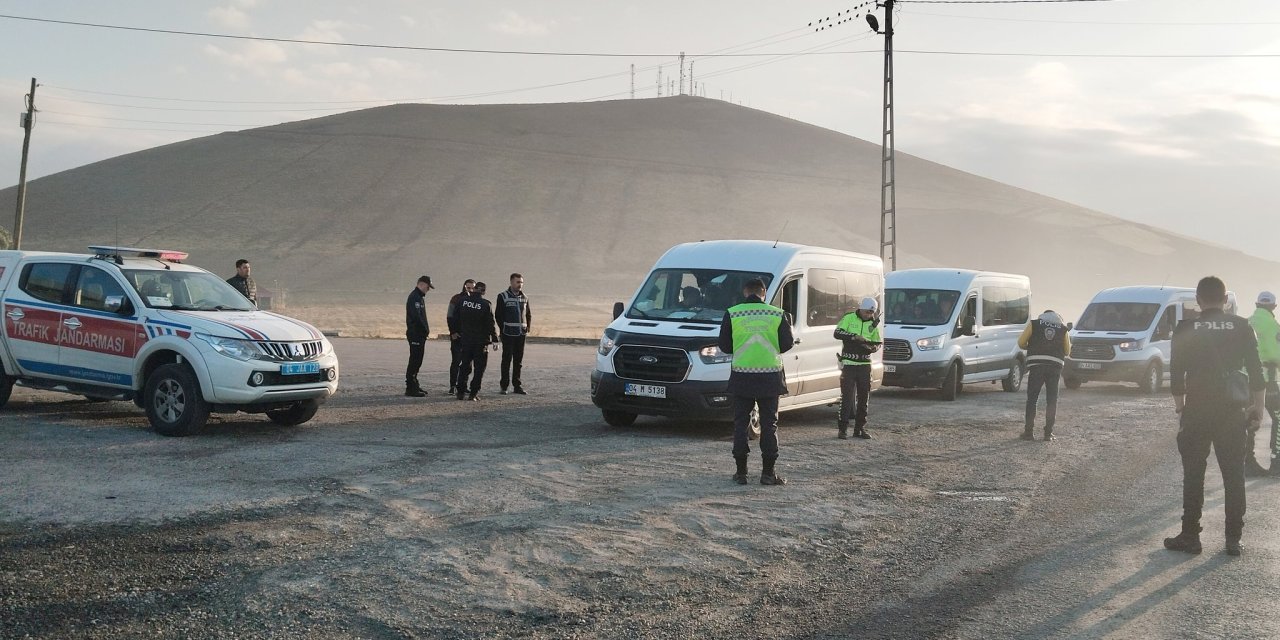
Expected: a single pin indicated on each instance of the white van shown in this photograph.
(659, 355)
(944, 328)
(1125, 335)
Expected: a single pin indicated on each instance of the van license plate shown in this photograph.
(1088, 365)
(891, 368)
(645, 390)
(299, 368)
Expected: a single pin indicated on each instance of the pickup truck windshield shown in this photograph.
(185, 291)
(691, 295)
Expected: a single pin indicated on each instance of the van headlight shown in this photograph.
(232, 348)
(930, 344)
(713, 355)
(1132, 345)
(607, 342)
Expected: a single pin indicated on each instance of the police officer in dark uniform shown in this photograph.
(478, 331)
(756, 334)
(455, 333)
(416, 330)
(1216, 406)
(1047, 345)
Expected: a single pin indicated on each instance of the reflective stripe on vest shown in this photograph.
(755, 338)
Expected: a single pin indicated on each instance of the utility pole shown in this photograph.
(692, 90)
(659, 81)
(888, 183)
(633, 82)
(681, 73)
(28, 122)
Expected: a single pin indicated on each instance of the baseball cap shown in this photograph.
(1266, 297)
(426, 279)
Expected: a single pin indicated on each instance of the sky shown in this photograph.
(1188, 144)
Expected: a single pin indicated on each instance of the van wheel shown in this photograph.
(1013, 381)
(173, 401)
(295, 414)
(951, 385)
(619, 418)
(1152, 377)
(1072, 383)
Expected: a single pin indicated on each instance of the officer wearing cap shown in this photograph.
(859, 332)
(1215, 404)
(756, 334)
(1047, 344)
(416, 331)
(1267, 331)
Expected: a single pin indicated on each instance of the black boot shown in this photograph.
(1048, 435)
(740, 476)
(1028, 434)
(1233, 546)
(860, 431)
(843, 433)
(1252, 469)
(413, 389)
(1187, 542)
(767, 476)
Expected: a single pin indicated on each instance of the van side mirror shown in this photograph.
(618, 308)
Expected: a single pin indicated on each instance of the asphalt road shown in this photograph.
(394, 517)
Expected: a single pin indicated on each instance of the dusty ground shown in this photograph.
(391, 517)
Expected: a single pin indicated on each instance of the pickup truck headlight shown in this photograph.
(1132, 345)
(232, 348)
(930, 344)
(713, 355)
(606, 342)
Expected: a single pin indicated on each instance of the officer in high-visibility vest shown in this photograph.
(757, 334)
(1267, 331)
(859, 332)
(1208, 353)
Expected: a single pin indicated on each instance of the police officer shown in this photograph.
(514, 319)
(455, 334)
(416, 330)
(859, 331)
(1267, 331)
(1208, 354)
(756, 334)
(477, 332)
(1047, 344)
(243, 282)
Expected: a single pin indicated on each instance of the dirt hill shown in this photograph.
(344, 212)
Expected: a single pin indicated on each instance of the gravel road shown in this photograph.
(527, 517)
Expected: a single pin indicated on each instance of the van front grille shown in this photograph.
(1085, 349)
(897, 350)
(651, 364)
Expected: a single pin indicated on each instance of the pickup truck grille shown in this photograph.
(651, 364)
(1092, 350)
(291, 351)
(897, 350)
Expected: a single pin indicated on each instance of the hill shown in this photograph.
(344, 212)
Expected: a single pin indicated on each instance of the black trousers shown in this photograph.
(455, 359)
(855, 385)
(475, 357)
(1047, 376)
(1222, 427)
(512, 359)
(416, 349)
(768, 406)
(1273, 409)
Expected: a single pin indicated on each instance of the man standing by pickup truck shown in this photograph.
(416, 331)
(243, 282)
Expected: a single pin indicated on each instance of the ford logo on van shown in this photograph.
(649, 359)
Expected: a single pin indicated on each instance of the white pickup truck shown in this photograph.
(136, 324)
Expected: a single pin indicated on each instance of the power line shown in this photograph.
(101, 126)
(1093, 22)
(996, 1)
(209, 124)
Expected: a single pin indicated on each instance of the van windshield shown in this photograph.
(1118, 316)
(185, 291)
(691, 295)
(929, 307)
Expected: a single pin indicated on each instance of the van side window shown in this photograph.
(970, 312)
(1005, 305)
(94, 288)
(46, 281)
(788, 297)
(826, 304)
(1164, 328)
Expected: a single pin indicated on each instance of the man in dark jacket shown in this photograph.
(455, 334)
(477, 332)
(243, 283)
(1047, 345)
(1216, 406)
(416, 331)
(756, 334)
(514, 318)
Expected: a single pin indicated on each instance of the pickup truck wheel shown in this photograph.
(619, 418)
(173, 401)
(1013, 381)
(1152, 377)
(295, 414)
(951, 385)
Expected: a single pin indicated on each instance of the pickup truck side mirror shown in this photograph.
(618, 308)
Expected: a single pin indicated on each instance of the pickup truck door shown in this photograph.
(33, 317)
(100, 331)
